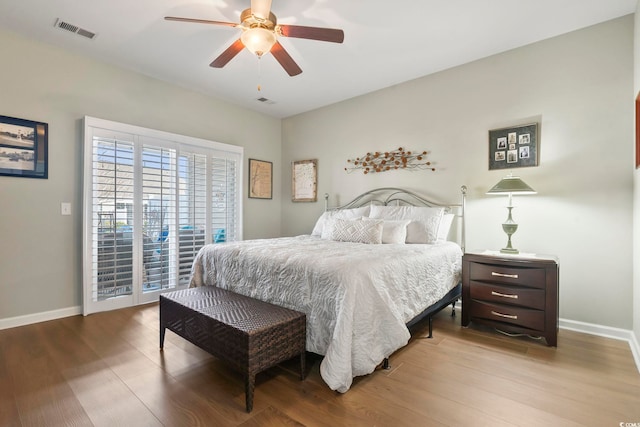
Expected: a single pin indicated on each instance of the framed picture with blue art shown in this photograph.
(23, 148)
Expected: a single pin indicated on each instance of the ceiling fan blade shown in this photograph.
(228, 54)
(312, 33)
(200, 21)
(287, 62)
(261, 8)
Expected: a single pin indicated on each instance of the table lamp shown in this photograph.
(510, 185)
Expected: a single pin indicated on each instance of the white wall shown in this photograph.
(577, 86)
(40, 250)
(636, 194)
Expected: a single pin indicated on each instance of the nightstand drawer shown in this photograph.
(509, 275)
(532, 319)
(513, 295)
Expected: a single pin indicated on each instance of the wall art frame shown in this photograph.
(514, 147)
(260, 179)
(304, 181)
(24, 148)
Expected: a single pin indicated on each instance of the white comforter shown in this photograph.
(357, 297)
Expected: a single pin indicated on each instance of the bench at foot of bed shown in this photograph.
(250, 335)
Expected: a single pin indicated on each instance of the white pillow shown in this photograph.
(357, 231)
(445, 226)
(393, 231)
(338, 213)
(424, 224)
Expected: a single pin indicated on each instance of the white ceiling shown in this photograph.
(386, 42)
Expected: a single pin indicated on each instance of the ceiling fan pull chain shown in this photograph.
(259, 73)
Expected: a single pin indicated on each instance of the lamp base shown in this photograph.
(509, 227)
(509, 251)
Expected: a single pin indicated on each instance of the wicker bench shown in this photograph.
(250, 335)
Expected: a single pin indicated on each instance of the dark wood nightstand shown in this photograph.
(512, 293)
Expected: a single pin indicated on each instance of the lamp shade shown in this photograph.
(511, 184)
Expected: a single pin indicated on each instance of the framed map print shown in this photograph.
(260, 179)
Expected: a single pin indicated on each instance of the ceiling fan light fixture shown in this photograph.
(258, 40)
(260, 34)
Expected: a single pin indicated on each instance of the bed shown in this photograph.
(368, 271)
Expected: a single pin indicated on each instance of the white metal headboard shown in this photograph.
(391, 196)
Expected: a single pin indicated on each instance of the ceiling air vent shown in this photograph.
(265, 100)
(74, 29)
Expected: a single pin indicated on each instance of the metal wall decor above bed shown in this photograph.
(382, 161)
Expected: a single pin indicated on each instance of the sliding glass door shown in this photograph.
(152, 200)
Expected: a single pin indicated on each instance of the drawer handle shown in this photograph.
(508, 316)
(498, 294)
(510, 276)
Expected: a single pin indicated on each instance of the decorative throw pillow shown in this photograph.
(445, 226)
(424, 224)
(357, 231)
(393, 231)
(328, 216)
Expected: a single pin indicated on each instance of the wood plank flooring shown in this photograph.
(106, 370)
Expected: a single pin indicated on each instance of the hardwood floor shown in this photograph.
(106, 370)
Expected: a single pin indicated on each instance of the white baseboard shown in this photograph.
(607, 332)
(28, 319)
(635, 349)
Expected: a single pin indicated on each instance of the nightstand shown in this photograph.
(513, 293)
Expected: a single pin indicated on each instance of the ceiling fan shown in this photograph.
(260, 32)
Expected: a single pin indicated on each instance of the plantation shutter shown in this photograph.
(111, 208)
(159, 219)
(224, 193)
(192, 202)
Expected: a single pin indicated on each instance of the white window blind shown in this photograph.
(152, 200)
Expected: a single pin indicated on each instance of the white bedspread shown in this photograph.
(357, 297)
